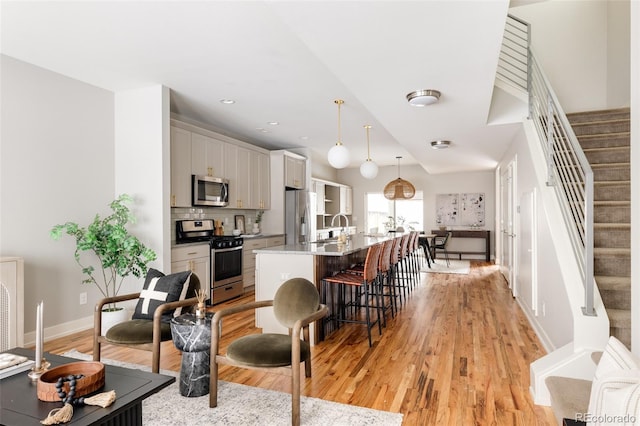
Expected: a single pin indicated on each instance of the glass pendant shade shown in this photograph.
(369, 169)
(338, 156)
(399, 189)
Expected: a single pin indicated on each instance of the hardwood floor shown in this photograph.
(458, 353)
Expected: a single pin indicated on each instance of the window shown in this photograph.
(406, 213)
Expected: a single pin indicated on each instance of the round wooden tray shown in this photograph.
(92, 381)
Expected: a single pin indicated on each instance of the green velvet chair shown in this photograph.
(296, 304)
(142, 334)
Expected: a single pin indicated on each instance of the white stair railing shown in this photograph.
(568, 170)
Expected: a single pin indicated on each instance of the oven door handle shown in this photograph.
(226, 249)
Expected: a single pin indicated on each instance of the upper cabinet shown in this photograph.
(207, 155)
(180, 167)
(201, 152)
(320, 197)
(259, 172)
(346, 199)
(237, 167)
(294, 172)
(332, 198)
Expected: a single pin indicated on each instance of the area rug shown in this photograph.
(455, 267)
(245, 405)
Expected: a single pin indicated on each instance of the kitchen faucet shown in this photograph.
(345, 218)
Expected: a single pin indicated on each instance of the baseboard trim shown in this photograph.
(60, 330)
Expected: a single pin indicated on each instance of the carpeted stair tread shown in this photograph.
(612, 203)
(612, 226)
(619, 318)
(603, 140)
(617, 154)
(599, 115)
(612, 251)
(607, 126)
(614, 190)
(608, 282)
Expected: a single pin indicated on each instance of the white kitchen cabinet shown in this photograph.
(194, 258)
(320, 194)
(249, 257)
(346, 200)
(249, 260)
(207, 156)
(259, 178)
(180, 167)
(237, 171)
(294, 172)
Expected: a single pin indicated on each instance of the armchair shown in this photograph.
(296, 304)
(145, 334)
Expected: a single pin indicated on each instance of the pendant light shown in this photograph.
(338, 155)
(368, 169)
(399, 189)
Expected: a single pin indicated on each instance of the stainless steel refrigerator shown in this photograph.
(300, 216)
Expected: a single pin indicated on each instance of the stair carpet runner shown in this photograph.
(605, 139)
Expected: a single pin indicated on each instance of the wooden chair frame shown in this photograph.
(154, 346)
(300, 328)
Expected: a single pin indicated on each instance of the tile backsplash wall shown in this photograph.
(227, 216)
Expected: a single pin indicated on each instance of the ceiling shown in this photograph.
(287, 61)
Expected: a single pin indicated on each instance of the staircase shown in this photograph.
(605, 140)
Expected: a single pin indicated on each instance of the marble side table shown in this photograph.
(193, 338)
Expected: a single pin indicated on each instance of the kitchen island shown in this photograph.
(313, 261)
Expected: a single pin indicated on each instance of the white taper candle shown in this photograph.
(38, 336)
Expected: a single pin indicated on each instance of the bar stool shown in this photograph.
(386, 287)
(364, 286)
(394, 257)
(402, 272)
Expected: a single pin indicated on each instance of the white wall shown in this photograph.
(142, 165)
(555, 327)
(574, 52)
(56, 165)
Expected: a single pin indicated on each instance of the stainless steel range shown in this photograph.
(225, 257)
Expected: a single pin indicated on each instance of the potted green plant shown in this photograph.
(256, 224)
(119, 253)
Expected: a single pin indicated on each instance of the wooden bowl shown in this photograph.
(92, 381)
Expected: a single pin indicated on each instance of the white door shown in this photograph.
(507, 225)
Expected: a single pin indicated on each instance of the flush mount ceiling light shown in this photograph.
(399, 189)
(422, 98)
(440, 144)
(338, 155)
(368, 169)
(227, 101)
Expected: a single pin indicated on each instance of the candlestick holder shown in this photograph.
(35, 373)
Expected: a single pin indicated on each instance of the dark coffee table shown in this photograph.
(19, 403)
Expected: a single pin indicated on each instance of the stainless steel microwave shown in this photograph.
(209, 191)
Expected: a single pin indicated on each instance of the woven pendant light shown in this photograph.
(399, 189)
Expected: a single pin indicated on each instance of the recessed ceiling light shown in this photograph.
(304, 138)
(262, 129)
(440, 144)
(227, 101)
(422, 98)
(273, 123)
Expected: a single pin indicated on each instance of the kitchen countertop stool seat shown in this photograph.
(366, 297)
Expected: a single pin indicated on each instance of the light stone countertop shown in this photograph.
(356, 243)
